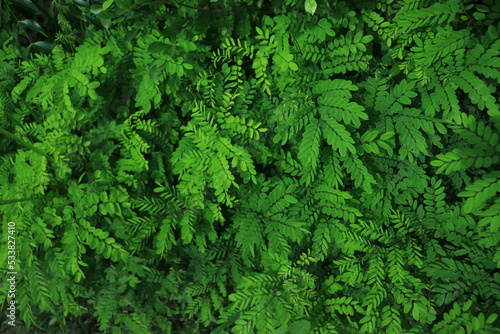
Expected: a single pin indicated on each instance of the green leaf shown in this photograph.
(387, 135)
(299, 327)
(92, 94)
(290, 199)
(467, 305)
(82, 3)
(131, 35)
(106, 22)
(367, 39)
(107, 4)
(157, 47)
(441, 128)
(102, 209)
(309, 146)
(311, 6)
(369, 135)
(110, 208)
(43, 46)
(28, 4)
(124, 4)
(491, 319)
(94, 84)
(33, 25)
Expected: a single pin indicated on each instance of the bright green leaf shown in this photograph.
(311, 6)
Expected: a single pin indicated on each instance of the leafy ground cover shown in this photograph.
(270, 166)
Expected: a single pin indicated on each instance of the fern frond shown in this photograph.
(309, 146)
(437, 13)
(337, 136)
(445, 42)
(475, 132)
(480, 191)
(477, 90)
(359, 173)
(462, 159)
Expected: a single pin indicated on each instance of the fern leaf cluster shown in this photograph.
(252, 167)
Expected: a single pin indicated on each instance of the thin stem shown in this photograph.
(26, 144)
(12, 201)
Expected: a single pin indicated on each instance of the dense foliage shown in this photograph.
(269, 166)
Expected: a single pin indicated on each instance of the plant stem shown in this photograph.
(12, 201)
(26, 144)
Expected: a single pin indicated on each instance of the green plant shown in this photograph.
(256, 167)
